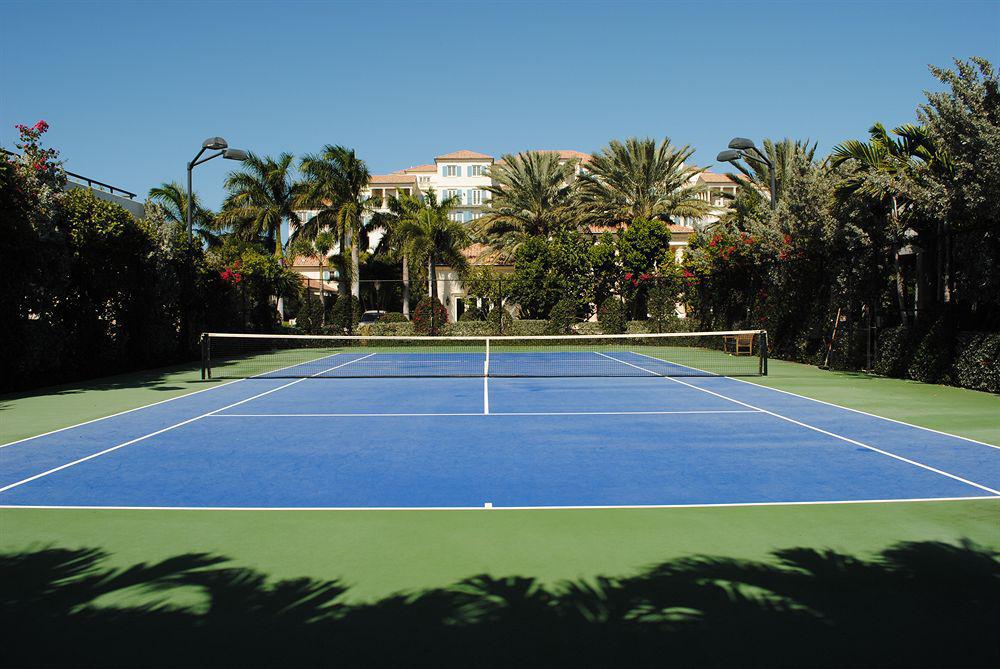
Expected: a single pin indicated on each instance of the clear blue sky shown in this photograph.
(130, 89)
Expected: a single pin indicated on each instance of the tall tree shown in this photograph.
(335, 184)
(319, 247)
(883, 166)
(261, 199)
(433, 237)
(172, 197)
(530, 197)
(401, 210)
(639, 179)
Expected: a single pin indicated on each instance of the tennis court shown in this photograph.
(343, 423)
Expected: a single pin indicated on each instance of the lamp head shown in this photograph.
(214, 143)
(741, 143)
(728, 156)
(234, 154)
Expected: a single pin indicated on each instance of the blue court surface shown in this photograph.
(546, 441)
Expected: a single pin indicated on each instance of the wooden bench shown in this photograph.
(741, 344)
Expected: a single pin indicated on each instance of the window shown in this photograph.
(455, 216)
(475, 196)
(476, 170)
(451, 171)
(423, 181)
(402, 191)
(452, 192)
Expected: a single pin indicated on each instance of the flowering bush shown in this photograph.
(429, 317)
(42, 161)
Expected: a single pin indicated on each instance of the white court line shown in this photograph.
(708, 505)
(175, 425)
(831, 404)
(169, 399)
(502, 413)
(817, 429)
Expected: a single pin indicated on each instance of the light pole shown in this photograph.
(738, 149)
(210, 144)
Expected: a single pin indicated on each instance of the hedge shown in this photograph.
(977, 361)
(469, 329)
(895, 351)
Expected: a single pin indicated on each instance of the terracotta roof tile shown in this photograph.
(464, 154)
(392, 179)
(715, 178)
(480, 254)
(420, 168)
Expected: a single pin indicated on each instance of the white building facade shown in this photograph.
(464, 174)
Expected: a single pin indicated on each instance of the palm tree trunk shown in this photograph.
(342, 279)
(406, 287)
(434, 293)
(904, 317)
(322, 295)
(433, 275)
(900, 280)
(355, 267)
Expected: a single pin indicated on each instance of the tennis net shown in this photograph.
(731, 353)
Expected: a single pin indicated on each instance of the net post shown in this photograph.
(204, 361)
(763, 352)
(486, 362)
(206, 356)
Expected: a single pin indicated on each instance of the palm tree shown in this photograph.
(172, 197)
(402, 208)
(318, 247)
(431, 235)
(883, 163)
(335, 183)
(261, 198)
(784, 155)
(639, 180)
(530, 197)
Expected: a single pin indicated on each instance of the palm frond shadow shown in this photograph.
(914, 604)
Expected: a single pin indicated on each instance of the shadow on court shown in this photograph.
(915, 604)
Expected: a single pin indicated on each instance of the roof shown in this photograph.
(464, 154)
(306, 261)
(392, 179)
(715, 178)
(480, 254)
(674, 228)
(420, 168)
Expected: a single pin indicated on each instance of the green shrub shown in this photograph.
(345, 314)
(310, 317)
(471, 313)
(500, 320)
(932, 357)
(526, 327)
(611, 316)
(429, 317)
(977, 361)
(662, 304)
(562, 317)
(895, 350)
(469, 329)
(392, 317)
(391, 329)
(589, 328)
(637, 327)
